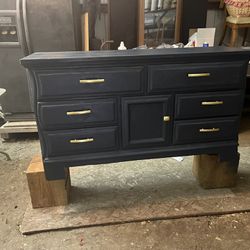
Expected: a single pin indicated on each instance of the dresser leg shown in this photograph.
(55, 172)
(212, 172)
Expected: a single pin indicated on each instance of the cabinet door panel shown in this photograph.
(146, 121)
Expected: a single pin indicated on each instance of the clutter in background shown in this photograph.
(165, 46)
(178, 158)
(202, 37)
(162, 46)
(152, 5)
(122, 46)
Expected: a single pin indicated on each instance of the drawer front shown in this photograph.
(77, 114)
(208, 104)
(164, 77)
(97, 81)
(205, 130)
(80, 141)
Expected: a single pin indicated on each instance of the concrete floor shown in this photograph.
(220, 232)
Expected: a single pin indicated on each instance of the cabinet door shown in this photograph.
(147, 121)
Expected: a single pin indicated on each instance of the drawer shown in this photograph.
(80, 141)
(211, 104)
(165, 77)
(205, 130)
(95, 81)
(77, 114)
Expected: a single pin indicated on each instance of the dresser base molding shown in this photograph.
(54, 166)
(211, 172)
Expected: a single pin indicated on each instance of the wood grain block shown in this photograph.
(212, 173)
(46, 193)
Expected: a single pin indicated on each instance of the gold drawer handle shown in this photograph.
(87, 140)
(92, 81)
(208, 130)
(80, 112)
(212, 103)
(166, 118)
(198, 74)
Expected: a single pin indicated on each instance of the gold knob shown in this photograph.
(166, 118)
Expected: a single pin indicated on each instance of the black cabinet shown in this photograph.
(100, 107)
(147, 121)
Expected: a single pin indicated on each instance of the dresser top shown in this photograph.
(40, 58)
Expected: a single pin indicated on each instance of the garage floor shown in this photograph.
(220, 232)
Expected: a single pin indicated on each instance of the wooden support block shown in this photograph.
(46, 193)
(212, 173)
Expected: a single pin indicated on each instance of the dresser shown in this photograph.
(112, 106)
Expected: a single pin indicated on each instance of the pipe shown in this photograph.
(19, 27)
(26, 27)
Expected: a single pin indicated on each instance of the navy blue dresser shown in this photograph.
(110, 106)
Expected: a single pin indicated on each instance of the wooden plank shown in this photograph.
(18, 127)
(18, 130)
(73, 217)
(178, 20)
(141, 17)
(105, 204)
(20, 124)
(85, 18)
(46, 193)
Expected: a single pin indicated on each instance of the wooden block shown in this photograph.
(212, 173)
(46, 193)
